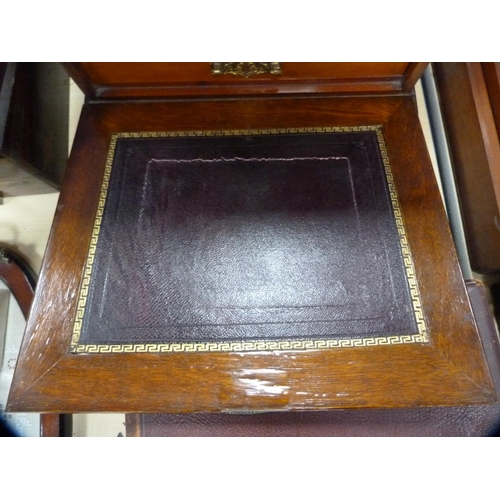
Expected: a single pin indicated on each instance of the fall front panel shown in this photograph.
(242, 240)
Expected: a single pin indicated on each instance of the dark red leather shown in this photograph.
(262, 237)
(466, 421)
(481, 420)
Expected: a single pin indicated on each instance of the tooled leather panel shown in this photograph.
(287, 236)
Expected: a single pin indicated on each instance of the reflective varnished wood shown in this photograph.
(450, 369)
(139, 80)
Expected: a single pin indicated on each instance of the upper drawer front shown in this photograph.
(109, 80)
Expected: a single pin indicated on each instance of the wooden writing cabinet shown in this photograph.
(249, 237)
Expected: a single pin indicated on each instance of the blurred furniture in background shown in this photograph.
(17, 286)
(34, 107)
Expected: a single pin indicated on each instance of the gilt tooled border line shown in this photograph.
(268, 345)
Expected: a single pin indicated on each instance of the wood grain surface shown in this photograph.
(106, 80)
(449, 370)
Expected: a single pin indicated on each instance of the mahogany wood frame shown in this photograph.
(139, 80)
(491, 73)
(449, 370)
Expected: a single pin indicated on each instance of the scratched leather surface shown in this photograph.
(480, 420)
(286, 236)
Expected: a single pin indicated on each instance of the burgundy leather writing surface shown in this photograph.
(247, 237)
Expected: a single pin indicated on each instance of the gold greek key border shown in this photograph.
(420, 337)
(84, 289)
(405, 249)
(265, 345)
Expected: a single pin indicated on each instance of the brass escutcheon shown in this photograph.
(245, 69)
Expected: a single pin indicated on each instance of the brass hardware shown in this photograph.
(245, 69)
